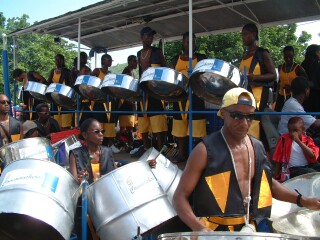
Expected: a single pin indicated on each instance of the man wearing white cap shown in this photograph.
(229, 171)
(30, 129)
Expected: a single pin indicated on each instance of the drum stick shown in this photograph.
(284, 94)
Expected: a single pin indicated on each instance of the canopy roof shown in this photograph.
(116, 24)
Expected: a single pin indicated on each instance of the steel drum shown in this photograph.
(36, 148)
(36, 90)
(226, 235)
(307, 185)
(68, 144)
(289, 218)
(167, 174)
(165, 83)
(125, 199)
(212, 78)
(121, 86)
(62, 95)
(38, 201)
(89, 87)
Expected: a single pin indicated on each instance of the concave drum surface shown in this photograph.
(165, 83)
(125, 199)
(36, 148)
(36, 90)
(212, 78)
(226, 235)
(121, 86)
(89, 87)
(38, 201)
(62, 95)
(168, 174)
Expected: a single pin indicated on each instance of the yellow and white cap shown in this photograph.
(232, 97)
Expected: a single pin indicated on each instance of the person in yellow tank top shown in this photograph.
(180, 125)
(260, 72)
(288, 71)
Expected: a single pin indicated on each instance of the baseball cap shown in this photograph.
(147, 30)
(28, 125)
(232, 97)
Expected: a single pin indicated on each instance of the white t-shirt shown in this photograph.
(297, 158)
(292, 105)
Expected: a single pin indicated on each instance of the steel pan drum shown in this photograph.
(212, 78)
(168, 174)
(69, 143)
(165, 83)
(38, 201)
(36, 148)
(307, 185)
(126, 198)
(36, 90)
(121, 86)
(62, 95)
(226, 235)
(89, 87)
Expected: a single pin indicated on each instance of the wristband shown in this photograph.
(299, 198)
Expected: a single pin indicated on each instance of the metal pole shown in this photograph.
(189, 72)
(77, 115)
(5, 67)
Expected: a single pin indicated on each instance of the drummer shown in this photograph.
(29, 102)
(180, 126)
(230, 176)
(260, 71)
(108, 120)
(61, 75)
(156, 124)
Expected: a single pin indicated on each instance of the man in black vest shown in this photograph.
(230, 176)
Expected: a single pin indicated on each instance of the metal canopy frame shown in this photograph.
(115, 24)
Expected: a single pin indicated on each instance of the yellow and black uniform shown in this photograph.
(62, 77)
(217, 198)
(285, 78)
(151, 122)
(180, 125)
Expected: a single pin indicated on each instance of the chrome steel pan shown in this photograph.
(36, 90)
(62, 95)
(126, 198)
(89, 87)
(168, 174)
(69, 143)
(226, 235)
(307, 185)
(212, 78)
(38, 201)
(165, 83)
(302, 223)
(36, 148)
(121, 86)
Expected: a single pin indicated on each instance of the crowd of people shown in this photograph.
(228, 168)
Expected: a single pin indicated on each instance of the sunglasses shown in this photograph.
(5, 102)
(239, 116)
(102, 131)
(45, 113)
(30, 132)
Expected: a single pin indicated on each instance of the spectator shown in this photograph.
(295, 152)
(30, 129)
(46, 125)
(288, 71)
(300, 92)
(311, 64)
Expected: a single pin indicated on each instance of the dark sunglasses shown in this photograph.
(5, 102)
(45, 113)
(30, 132)
(102, 131)
(239, 116)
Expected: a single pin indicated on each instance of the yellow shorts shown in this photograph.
(180, 128)
(126, 120)
(254, 129)
(110, 129)
(153, 124)
(64, 120)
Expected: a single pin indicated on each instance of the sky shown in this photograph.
(39, 10)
